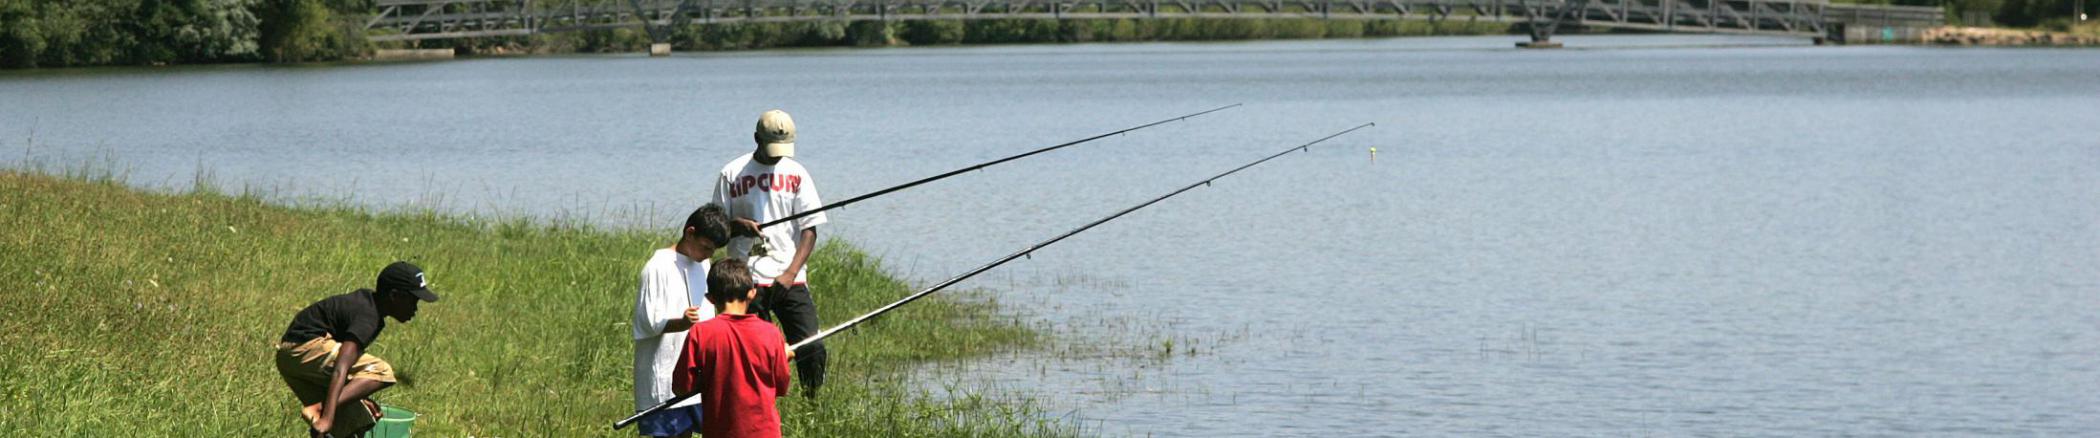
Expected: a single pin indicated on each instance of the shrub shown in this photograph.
(870, 33)
(924, 32)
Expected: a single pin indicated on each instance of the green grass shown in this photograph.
(137, 313)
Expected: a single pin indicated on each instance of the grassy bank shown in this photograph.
(134, 313)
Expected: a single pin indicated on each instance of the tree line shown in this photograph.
(68, 33)
(2011, 13)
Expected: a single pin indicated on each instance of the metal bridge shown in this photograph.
(401, 20)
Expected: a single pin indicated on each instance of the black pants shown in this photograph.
(797, 313)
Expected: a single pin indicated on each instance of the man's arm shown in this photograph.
(741, 227)
(807, 243)
(738, 227)
(807, 200)
(345, 356)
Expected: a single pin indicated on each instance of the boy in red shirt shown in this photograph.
(736, 361)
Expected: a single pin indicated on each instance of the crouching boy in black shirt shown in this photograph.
(322, 354)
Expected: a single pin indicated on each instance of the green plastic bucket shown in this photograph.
(393, 424)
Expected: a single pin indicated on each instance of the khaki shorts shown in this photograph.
(307, 367)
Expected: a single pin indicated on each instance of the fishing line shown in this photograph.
(988, 266)
(955, 172)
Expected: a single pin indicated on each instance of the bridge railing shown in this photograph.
(430, 19)
(1883, 24)
(1708, 16)
(1887, 15)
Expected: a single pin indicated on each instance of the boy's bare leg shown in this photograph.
(359, 389)
(355, 390)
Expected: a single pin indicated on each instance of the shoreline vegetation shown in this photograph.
(132, 312)
(2075, 36)
(46, 34)
(756, 36)
(294, 31)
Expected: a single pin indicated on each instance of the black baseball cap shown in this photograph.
(406, 277)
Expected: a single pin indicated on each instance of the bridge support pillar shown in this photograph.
(1543, 22)
(1539, 44)
(1541, 36)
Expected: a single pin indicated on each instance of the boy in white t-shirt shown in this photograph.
(670, 299)
(766, 185)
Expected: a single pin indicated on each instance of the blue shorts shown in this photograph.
(670, 422)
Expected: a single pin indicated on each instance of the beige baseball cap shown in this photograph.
(776, 133)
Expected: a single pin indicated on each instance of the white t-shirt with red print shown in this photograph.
(751, 190)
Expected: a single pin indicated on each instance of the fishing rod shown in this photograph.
(980, 166)
(1024, 252)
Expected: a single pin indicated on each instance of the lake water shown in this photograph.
(1641, 235)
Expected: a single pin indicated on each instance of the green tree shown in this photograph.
(219, 30)
(870, 33)
(95, 32)
(309, 30)
(2028, 13)
(82, 33)
(924, 32)
(21, 37)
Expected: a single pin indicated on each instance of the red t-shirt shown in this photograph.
(738, 363)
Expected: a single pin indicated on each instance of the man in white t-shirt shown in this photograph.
(670, 299)
(766, 185)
